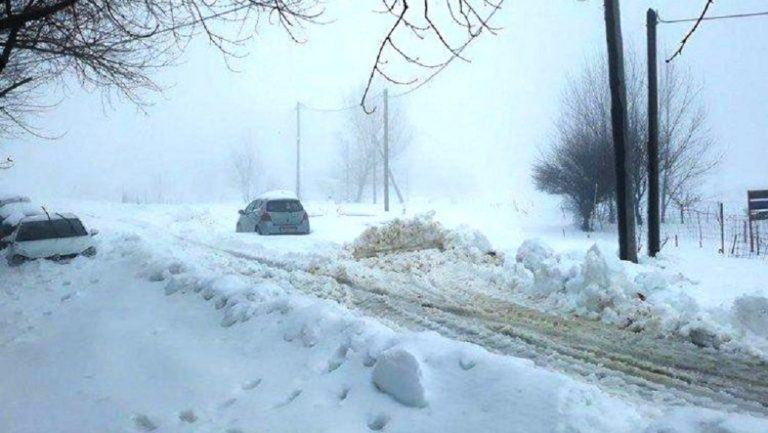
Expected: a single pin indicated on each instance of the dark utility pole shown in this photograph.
(386, 150)
(654, 235)
(298, 150)
(619, 123)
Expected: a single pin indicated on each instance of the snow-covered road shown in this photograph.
(114, 353)
(603, 354)
(98, 345)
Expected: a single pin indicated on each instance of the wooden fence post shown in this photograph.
(701, 235)
(721, 214)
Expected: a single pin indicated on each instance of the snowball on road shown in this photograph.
(160, 333)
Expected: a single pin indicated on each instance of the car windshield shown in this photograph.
(284, 206)
(50, 229)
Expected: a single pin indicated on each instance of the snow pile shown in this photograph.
(398, 373)
(598, 287)
(421, 232)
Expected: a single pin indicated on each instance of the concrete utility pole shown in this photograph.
(654, 235)
(298, 149)
(386, 150)
(619, 123)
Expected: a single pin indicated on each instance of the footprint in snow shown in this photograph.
(294, 395)
(188, 416)
(344, 393)
(378, 422)
(338, 359)
(227, 403)
(143, 422)
(251, 385)
(467, 364)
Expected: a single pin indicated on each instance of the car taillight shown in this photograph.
(304, 217)
(266, 217)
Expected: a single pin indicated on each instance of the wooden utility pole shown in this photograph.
(298, 149)
(619, 123)
(386, 150)
(375, 182)
(654, 235)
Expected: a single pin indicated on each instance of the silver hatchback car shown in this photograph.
(274, 213)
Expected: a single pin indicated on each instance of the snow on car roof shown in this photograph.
(13, 197)
(50, 215)
(23, 208)
(278, 195)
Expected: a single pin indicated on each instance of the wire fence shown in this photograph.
(715, 227)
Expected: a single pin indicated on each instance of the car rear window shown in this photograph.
(284, 206)
(50, 229)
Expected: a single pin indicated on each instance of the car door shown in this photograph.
(250, 216)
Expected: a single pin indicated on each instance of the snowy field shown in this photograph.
(179, 324)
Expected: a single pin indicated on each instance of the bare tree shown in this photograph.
(113, 45)
(360, 162)
(246, 166)
(578, 166)
(686, 149)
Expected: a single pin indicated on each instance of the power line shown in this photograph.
(720, 17)
(328, 110)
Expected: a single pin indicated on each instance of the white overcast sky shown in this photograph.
(476, 128)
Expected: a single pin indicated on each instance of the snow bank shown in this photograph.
(600, 287)
(398, 373)
(421, 232)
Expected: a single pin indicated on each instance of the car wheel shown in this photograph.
(90, 252)
(16, 260)
(257, 229)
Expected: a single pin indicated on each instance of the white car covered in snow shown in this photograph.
(49, 236)
(11, 212)
(12, 198)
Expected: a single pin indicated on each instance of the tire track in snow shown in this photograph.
(587, 348)
(619, 361)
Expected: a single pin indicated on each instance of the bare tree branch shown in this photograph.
(690, 32)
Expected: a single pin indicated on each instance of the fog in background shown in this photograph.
(476, 128)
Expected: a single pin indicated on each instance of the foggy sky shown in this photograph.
(476, 128)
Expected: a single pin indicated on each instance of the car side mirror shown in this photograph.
(94, 232)
(241, 212)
